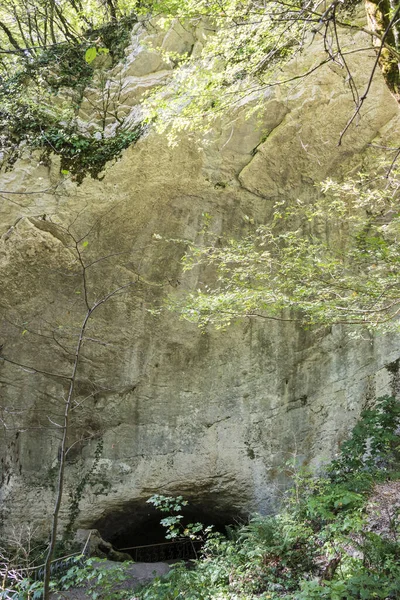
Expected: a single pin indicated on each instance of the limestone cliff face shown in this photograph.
(210, 416)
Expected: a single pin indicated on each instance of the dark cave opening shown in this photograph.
(135, 529)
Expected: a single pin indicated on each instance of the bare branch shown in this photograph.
(371, 77)
(34, 370)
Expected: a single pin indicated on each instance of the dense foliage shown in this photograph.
(50, 52)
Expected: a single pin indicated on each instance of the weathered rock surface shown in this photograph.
(210, 416)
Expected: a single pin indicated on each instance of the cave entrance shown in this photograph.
(135, 529)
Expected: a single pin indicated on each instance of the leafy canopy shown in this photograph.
(241, 48)
(245, 43)
(332, 260)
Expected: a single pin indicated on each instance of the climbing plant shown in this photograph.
(76, 495)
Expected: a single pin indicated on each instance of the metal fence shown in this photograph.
(58, 566)
(62, 564)
(175, 550)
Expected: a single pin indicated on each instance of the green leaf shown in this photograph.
(90, 54)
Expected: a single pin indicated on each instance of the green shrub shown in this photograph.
(100, 583)
(82, 155)
(32, 109)
(374, 446)
(360, 585)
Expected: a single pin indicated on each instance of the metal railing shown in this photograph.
(58, 566)
(175, 550)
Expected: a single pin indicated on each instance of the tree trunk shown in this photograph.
(384, 25)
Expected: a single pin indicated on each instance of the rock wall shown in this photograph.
(210, 416)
